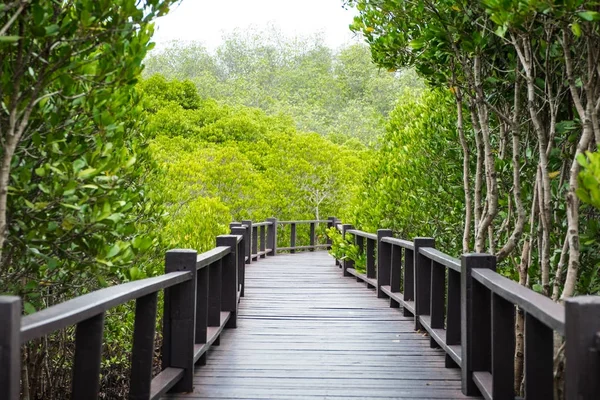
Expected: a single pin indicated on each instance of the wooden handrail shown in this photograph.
(466, 307)
(541, 307)
(471, 315)
(201, 295)
(73, 311)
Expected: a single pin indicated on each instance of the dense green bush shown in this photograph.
(414, 184)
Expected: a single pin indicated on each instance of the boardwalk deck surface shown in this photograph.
(305, 332)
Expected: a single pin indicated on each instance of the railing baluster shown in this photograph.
(422, 279)
(229, 279)
(384, 261)
(437, 298)
(89, 336)
(292, 237)
(202, 310)
(263, 240)
(371, 271)
(241, 252)
(179, 319)
(395, 272)
(539, 351)
(214, 293)
(346, 263)
(249, 240)
(10, 347)
(360, 243)
(409, 279)
(312, 235)
(453, 314)
(582, 368)
(143, 347)
(255, 241)
(475, 321)
(272, 236)
(503, 348)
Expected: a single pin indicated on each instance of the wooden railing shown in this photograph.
(262, 237)
(469, 311)
(201, 296)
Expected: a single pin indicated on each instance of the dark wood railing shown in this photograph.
(201, 296)
(469, 311)
(262, 237)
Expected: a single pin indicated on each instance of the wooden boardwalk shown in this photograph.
(305, 332)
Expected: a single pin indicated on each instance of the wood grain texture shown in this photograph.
(306, 332)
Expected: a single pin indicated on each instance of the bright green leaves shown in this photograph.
(325, 91)
(77, 184)
(589, 178)
(589, 15)
(9, 39)
(401, 190)
(219, 163)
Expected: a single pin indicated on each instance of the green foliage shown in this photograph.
(589, 179)
(342, 249)
(414, 185)
(324, 91)
(217, 163)
(73, 164)
(76, 199)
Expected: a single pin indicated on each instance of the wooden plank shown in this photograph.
(165, 381)
(306, 332)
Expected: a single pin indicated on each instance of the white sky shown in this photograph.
(207, 20)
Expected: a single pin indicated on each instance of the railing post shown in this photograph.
(346, 263)
(312, 236)
(437, 298)
(292, 237)
(272, 236)
(85, 383)
(249, 239)
(179, 319)
(422, 273)
(255, 241)
(384, 261)
(475, 321)
(10, 347)
(241, 252)
(229, 279)
(337, 221)
(202, 288)
(359, 241)
(582, 337)
(395, 273)
(143, 347)
(453, 314)
(263, 241)
(409, 279)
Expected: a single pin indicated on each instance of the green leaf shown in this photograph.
(29, 308)
(9, 39)
(113, 251)
(589, 15)
(576, 28)
(78, 165)
(86, 173)
(52, 29)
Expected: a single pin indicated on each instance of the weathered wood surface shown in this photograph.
(305, 332)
